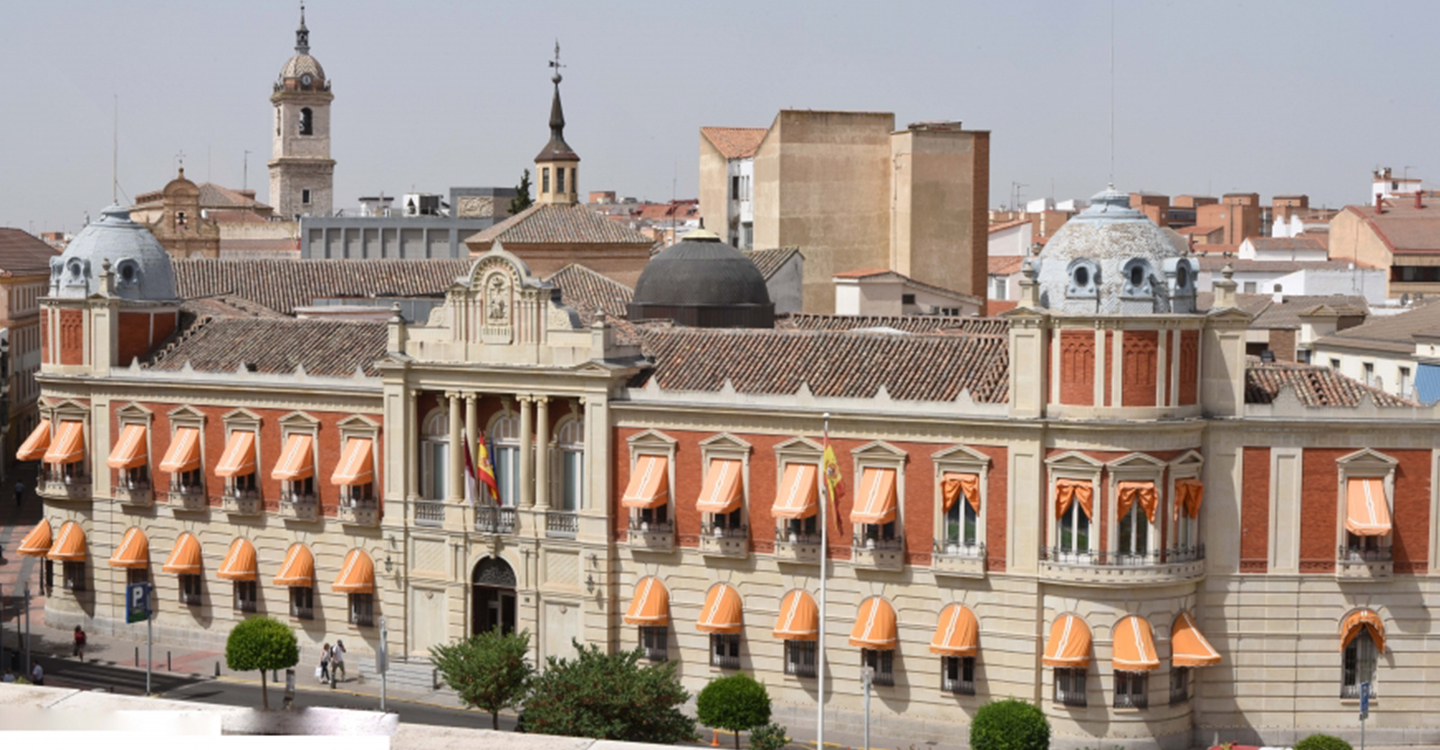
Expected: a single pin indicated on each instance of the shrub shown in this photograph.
(1322, 742)
(737, 703)
(609, 697)
(1009, 725)
(262, 643)
(487, 671)
(769, 737)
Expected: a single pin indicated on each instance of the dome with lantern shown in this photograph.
(140, 264)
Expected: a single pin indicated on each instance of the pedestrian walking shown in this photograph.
(337, 662)
(325, 664)
(37, 675)
(19, 493)
(79, 643)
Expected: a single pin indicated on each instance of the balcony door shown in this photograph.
(493, 596)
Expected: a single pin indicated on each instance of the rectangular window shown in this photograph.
(245, 596)
(74, 579)
(1179, 685)
(1335, 365)
(544, 180)
(1130, 690)
(1405, 382)
(655, 518)
(305, 197)
(362, 610)
(907, 299)
(572, 478)
(880, 534)
(1000, 288)
(1358, 666)
(957, 675)
(190, 480)
(1250, 287)
(801, 529)
(190, 589)
(800, 658)
(1134, 533)
(883, 662)
(962, 526)
(735, 188)
(560, 180)
(437, 461)
(302, 602)
(653, 643)
(357, 494)
(136, 478)
(1075, 530)
(1070, 687)
(1370, 373)
(725, 650)
(507, 473)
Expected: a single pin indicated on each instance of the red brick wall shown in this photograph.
(1282, 342)
(134, 336)
(996, 520)
(1077, 368)
(45, 336)
(1189, 367)
(1319, 495)
(1411, 516)
(1142, 349)
(1254, 510)
(1109, 365)
(72, 337)
(1169, 370)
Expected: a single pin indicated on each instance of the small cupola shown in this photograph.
(557, 164)
(702, 282)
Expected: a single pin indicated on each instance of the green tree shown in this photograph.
(769, 737)
(521, 201)
(609, 697)
(737, 703)
(487, 671)
(262, 643)
(1009, 725)
(1322, 742)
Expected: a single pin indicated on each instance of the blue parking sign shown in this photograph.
(1364, 700)
(137, 602)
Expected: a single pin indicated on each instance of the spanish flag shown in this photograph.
(487, 470)
(834, 481)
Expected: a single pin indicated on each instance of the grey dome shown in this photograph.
(1110, 258)
(300, 65)
(141, 266)
(701, 281)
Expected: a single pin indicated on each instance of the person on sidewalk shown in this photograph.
(325, 664)
(19, 493)
(337, 663)
(79, 643)
(37, 675)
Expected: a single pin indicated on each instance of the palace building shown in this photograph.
(1096, 503)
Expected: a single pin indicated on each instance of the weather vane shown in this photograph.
(556, 63)
(180, 159)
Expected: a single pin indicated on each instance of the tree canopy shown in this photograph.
(609, 697)
(262, 643)
(487, 671)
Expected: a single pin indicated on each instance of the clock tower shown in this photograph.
(302, 174)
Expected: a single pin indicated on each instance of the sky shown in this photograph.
(1209, 97)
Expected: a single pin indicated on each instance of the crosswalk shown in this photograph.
(70, 673)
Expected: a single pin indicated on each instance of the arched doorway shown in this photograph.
(493, 594)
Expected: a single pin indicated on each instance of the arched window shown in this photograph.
(435, 456)
(1084, 278)
(504, 433)
(307, 121)
(1136, 273)
(570, 472)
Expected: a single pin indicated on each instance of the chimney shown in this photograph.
(1418, 204)
(1379, 203)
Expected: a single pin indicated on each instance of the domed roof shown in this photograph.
(141, 266)
(300, 65)
(1111, 258)
(702, 281)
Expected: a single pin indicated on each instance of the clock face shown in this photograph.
(305, 80)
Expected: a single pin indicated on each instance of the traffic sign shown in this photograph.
(137, 602)
(1364, 701)
(382, 654)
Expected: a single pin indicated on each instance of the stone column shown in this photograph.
(527, 444)
(472, 420)
(542, 453)
(456, 471)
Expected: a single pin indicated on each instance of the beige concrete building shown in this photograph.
(853, 193)
(24, 275)
(1401, 237)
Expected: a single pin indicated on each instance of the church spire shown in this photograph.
(302, 35)
(557, 148)
(556, 164)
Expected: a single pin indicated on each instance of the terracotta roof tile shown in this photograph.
(23, 254)
(323, 347)
(1004, 265)
(587, 292)
(770, 261)
(1404, 228)
(1007, 225)
(1285, 243)
(556, 224)
(735, 143)
(283, 285)
(1313, 385)
(1387, 333)
(995, 307)
(906, 323)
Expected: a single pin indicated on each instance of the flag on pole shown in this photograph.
(486, 469)
(469, 470)
(834, 481)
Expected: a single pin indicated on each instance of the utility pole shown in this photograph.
(27, 630)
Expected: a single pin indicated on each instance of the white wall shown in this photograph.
(1013, 241)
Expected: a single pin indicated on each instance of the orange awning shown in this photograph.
(357, 575)
(1068, 491)
(952, 485)
(649, 483)
(185, 557)
(1363, 619)
(1188, 495)
(722, 492)
(958, 633)
(69, 546)
(68, 447)
(134, 550)
(238, 460)
(1367, 513)
(1134, 646)
(875, 502)
(723, 611)
(799, 618)
(297, 460)
(1069, 644)
(356, 464)
(651, 605)
(130, 451)
(239, 564)
(298, 569)
(1133, 492)
(1188, 647)
(37, 542)
(34, 447)
(875, 626)
(799, 494)
(184, 452)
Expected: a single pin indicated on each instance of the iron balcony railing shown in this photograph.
(956, 549)
(956, 686)
(727, 532)
(869, 542)
(1361, 554)
(430, 512)
(495, 520)
(1132, 700)
(724, 661)
(1107, 558)
(561, 523)
(783, 534)
(650, 527)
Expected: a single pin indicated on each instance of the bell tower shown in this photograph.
(557, 164)
(302, 174)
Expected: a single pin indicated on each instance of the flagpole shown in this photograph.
(824, 563)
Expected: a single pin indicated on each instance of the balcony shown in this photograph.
(651, 536)
(1087, 568)
(722, 541)
(951, 558)
(562, 524)
(796, 547)
(361, 511)
(1361, 564)
(429, 512)
(133, 492)
(298, 507)
(60, 486)
(241, 502)
(490, 519)
(878, 554)
(188, 497)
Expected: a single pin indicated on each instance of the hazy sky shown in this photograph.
(1274, 97)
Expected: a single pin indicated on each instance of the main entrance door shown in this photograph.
(493, 585)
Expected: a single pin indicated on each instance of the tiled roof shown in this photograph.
(1004, 265)
(236, 217)
(770, 261)
(587, 292)
(556, 224)
(1287, 313)
(260, 245)
(1250, 303)
(1387, 333)
(1313, 385)
(323, 347)
(1007, 225)
(1199, 230)
(1216, 263)
(283, 285)
(1285, 243)
(906, 323)
(863, 273)
(219, 196)
(1404, 228)
(23, 254)
(735, 143)
(227, 307)
(844, 364)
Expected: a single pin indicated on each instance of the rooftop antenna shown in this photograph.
(1112, 92)
(114, 156)
(180, 159)
(245, 179)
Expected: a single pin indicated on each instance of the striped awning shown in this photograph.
(357, 466)
(37, 542)
(875, 626)
(185, 557)
(649, 485)
(240, 562)
(651, 604)
(1367, 511)
(130, 451)
(297, 459)
(69, 544)
(722, 491)
(799, 618)
(723, 611)
(34, 447)
(133, 551)
(357, 575)
(1069, 643)
(875, 503)
(1134, 646)
(238, 460)
(799, 495)
(957, 634)
(298, 569)
(1188, 647)
(68, 447)
(184, 452)
(954, 484)
(1363, 619)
